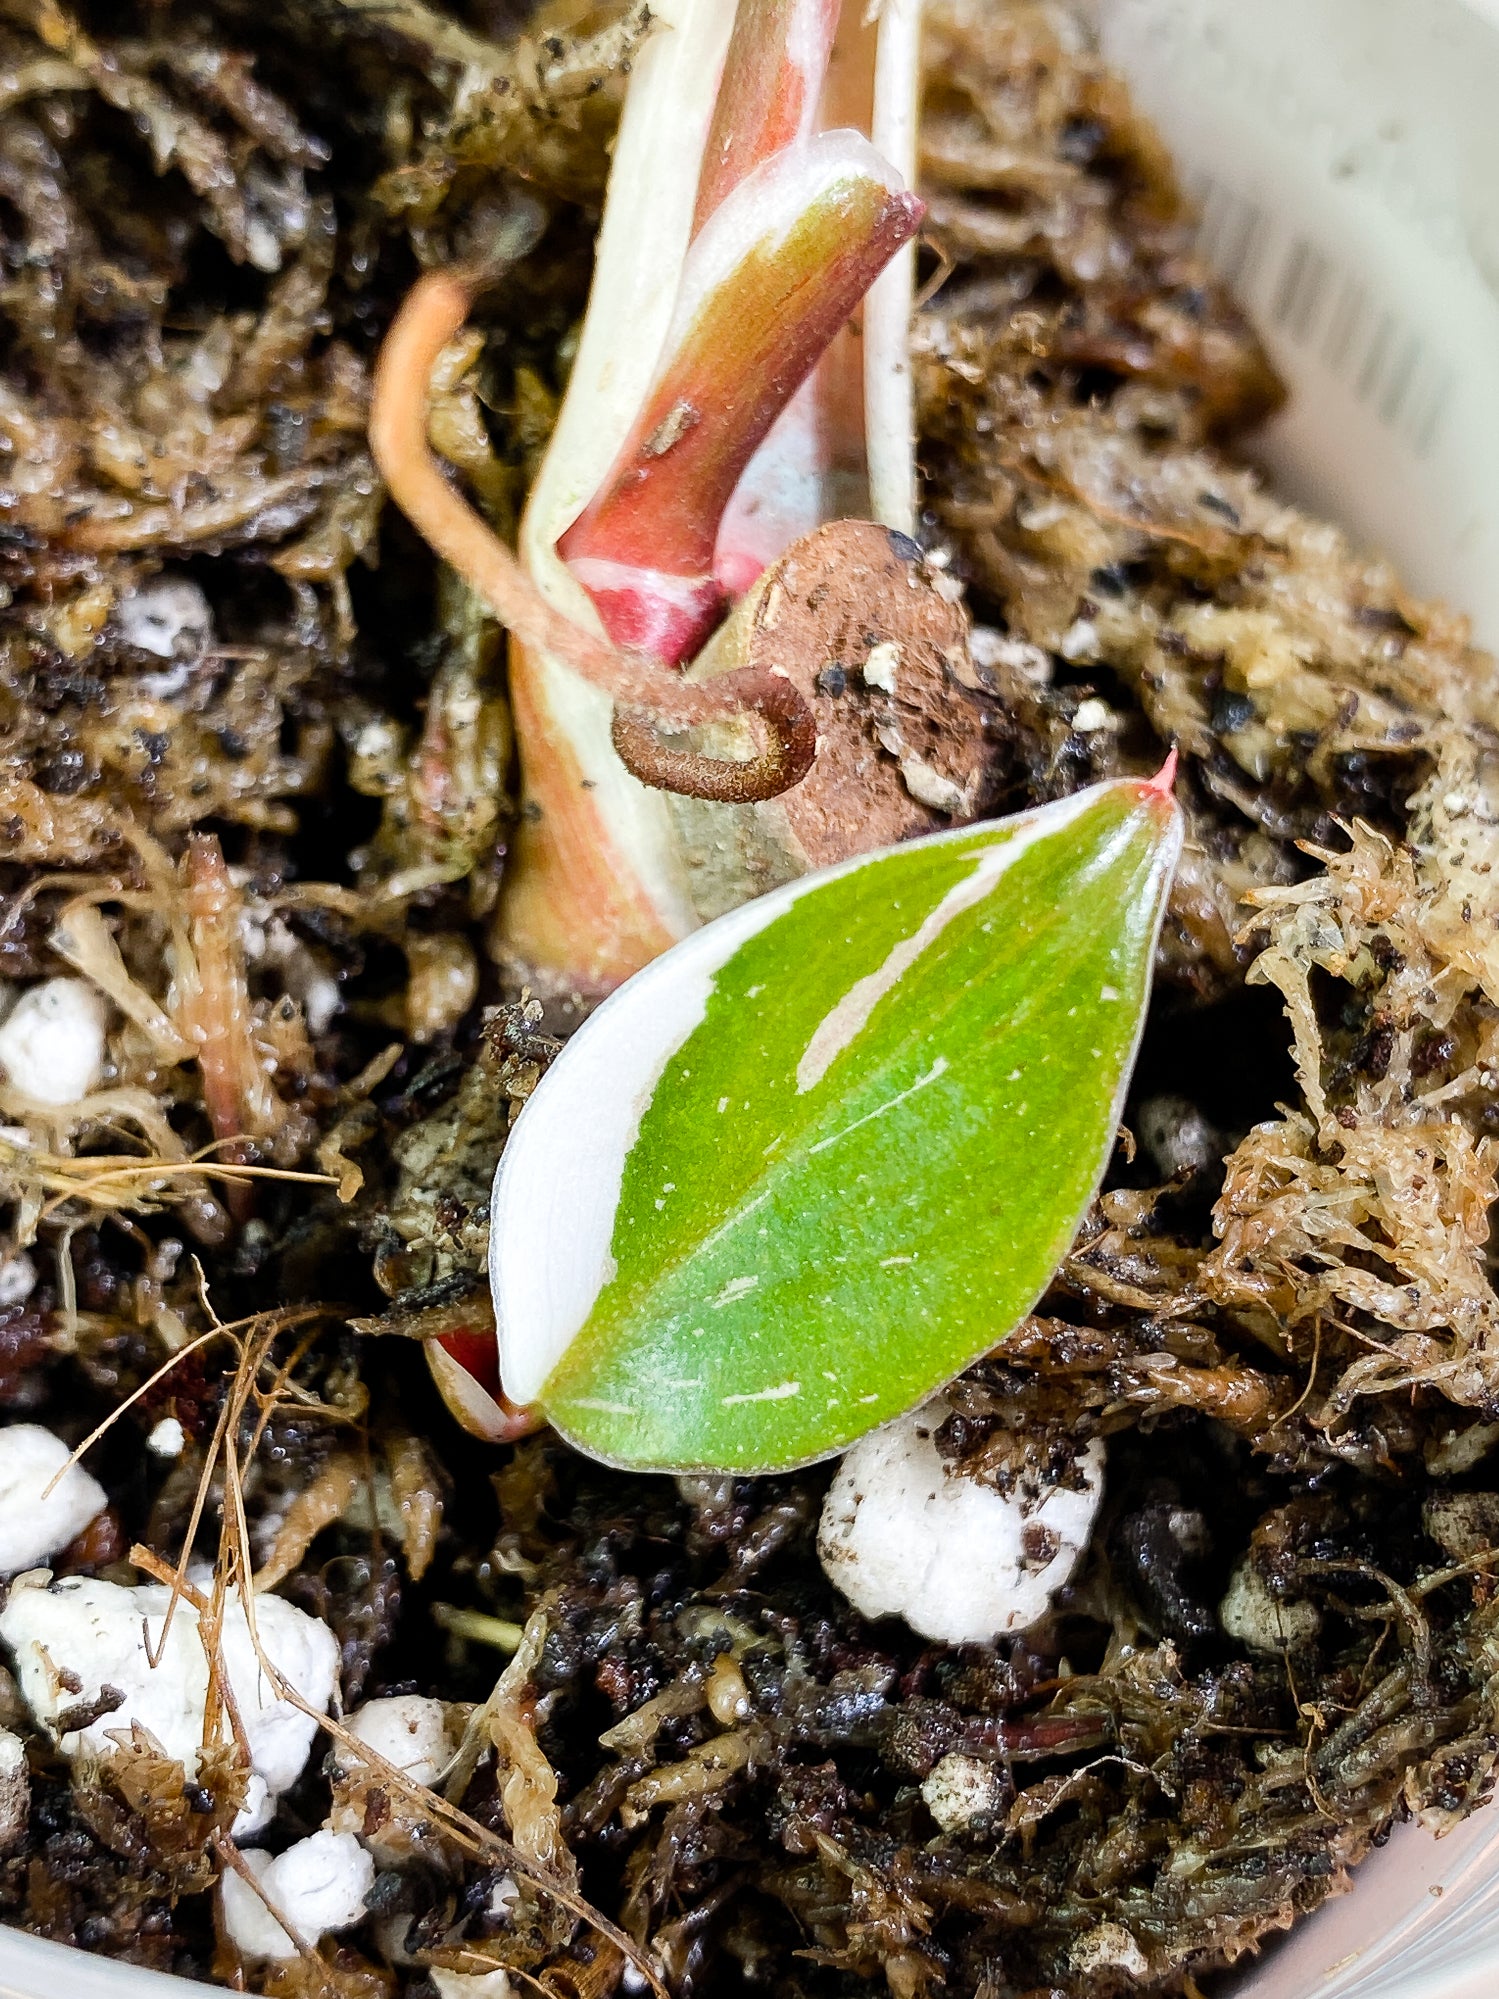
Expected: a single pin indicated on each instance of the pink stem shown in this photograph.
(433, 312)
(772, 80)
(784, 261)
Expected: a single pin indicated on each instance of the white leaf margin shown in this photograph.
(557, 1187)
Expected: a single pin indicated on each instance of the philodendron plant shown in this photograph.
(729, 372)
(809, 1163)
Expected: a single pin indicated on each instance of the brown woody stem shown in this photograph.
(432, 314)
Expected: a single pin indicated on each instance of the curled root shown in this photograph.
(791, 745)
(432, 314)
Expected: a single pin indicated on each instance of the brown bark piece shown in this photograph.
(854, 618)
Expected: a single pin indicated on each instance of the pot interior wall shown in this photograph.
(1344, 156)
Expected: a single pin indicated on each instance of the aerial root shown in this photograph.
(649, 695)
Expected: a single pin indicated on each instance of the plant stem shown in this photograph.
(600, 877)
(783, 262)
(772, 80)
(428, 320)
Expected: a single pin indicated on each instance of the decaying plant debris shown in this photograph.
(254, 790)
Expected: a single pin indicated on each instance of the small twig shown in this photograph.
(232, 1570)
(475, 1839)
(209, 1311)
(151, 1564)
(179, 1583)
(106, 1171)
(231, 1858)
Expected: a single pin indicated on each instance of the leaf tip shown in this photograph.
(1163, 784)
(911, 211)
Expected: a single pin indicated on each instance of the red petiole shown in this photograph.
(792, 232)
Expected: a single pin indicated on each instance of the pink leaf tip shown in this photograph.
(1163, 784)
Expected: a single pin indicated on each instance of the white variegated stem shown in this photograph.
(786, 488)
(889, 391)
(770, 280)
(783, 495)
(847, 441)
(597, 884)
(772, 87)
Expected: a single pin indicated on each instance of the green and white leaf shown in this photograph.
(818, 1158)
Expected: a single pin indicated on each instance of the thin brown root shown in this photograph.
(233, 1570)
(789, 753)
(433, 313)
(114, 1415)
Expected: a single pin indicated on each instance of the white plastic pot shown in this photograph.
(1346, 157)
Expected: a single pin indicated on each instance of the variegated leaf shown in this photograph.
(819, 1157)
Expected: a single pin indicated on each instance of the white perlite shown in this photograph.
(961, 1791)
(902, 1536)
(167, 1438)
(1109, 1947)
(98, 1631)
(36, 1524)
(52, 1041)
(169, 617)
(930, 787)
(1177, 1136)
(407, 1730)
(412, 1733)
(991, 648)
(882, 666)
(15, 1789)
(318, 1885)
(472, 1984)
(1262, 1621)
(17, 1278)
(267, 938)
(1080, 640)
